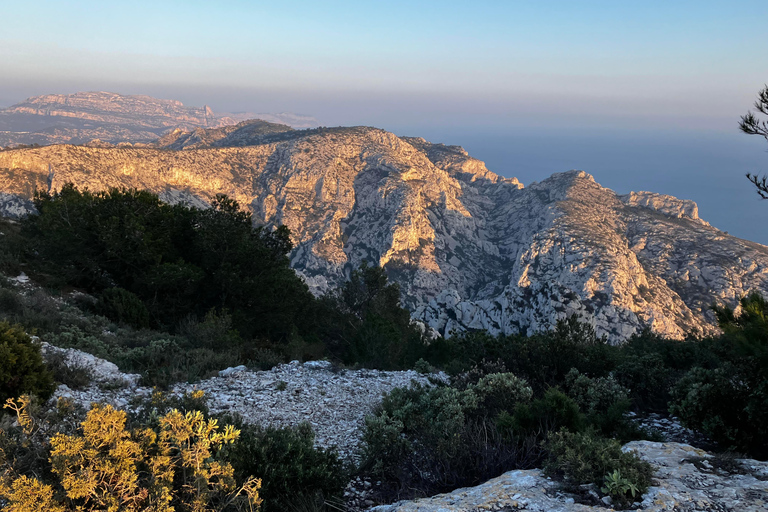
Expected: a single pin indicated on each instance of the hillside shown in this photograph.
(113, 118)
(469, 248)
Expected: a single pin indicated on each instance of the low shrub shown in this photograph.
(22, 369)
(35, 310)
(424, 440)
(604, 402)
(648, 379)
(106, 466)
(291, 468)
(727, 405)
(497, 392)
(579, 458)
(265, 359)
(71, 375)
(594, 395)
(553, 411)
(122, 306)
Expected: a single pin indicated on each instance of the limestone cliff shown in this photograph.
(470, 249)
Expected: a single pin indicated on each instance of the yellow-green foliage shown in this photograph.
(106, 467)
(26, 494)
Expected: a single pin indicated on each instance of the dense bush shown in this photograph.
(103, 465)
(729, 401)
(366, 325)
(22, 370)
(160, 358)
(36, 310)
(725, 405)
(648, 380)
(543, 359)
(552, 411)
(123, 306)
(586, 458)
(291, 468)
(177, 260)
(438, 438)
(221, 290)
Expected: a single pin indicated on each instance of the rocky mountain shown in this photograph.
(113, 118)
(469, 248)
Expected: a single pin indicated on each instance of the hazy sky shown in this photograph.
(642, 94)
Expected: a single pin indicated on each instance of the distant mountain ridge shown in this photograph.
(470, 249)
(114, 118)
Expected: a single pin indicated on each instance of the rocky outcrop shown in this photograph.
(109, 117)
(469, 248)
(667, 205)
(101, 372)
(334, 401)
(685, 481)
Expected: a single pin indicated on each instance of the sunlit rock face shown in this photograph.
(469, 248)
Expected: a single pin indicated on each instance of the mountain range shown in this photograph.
(469, 248)
(113, 118)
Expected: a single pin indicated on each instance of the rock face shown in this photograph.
(685, 481)
(113, 118)
(469, 248)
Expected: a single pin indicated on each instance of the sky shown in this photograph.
(644, 95)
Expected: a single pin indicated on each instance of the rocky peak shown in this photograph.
(469, 248)
(667, 205)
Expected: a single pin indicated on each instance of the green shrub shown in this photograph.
(73, 376)
(497, 392)
(11, 303)
(477, 372)
(594, 395)
(215, 331)
(586, 458)
(122, 306)
(35, 310)
(424, 440)
(551, 412)
(288, 464)
(543, 359)
(622, 490)
(604, 402)
(265, 359)
(728, 399)
(160, 358)
(648, 379)
(723, 404)
(366, 312)
(21, 366)
(177, 259)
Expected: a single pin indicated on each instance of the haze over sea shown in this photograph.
(642, 95)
